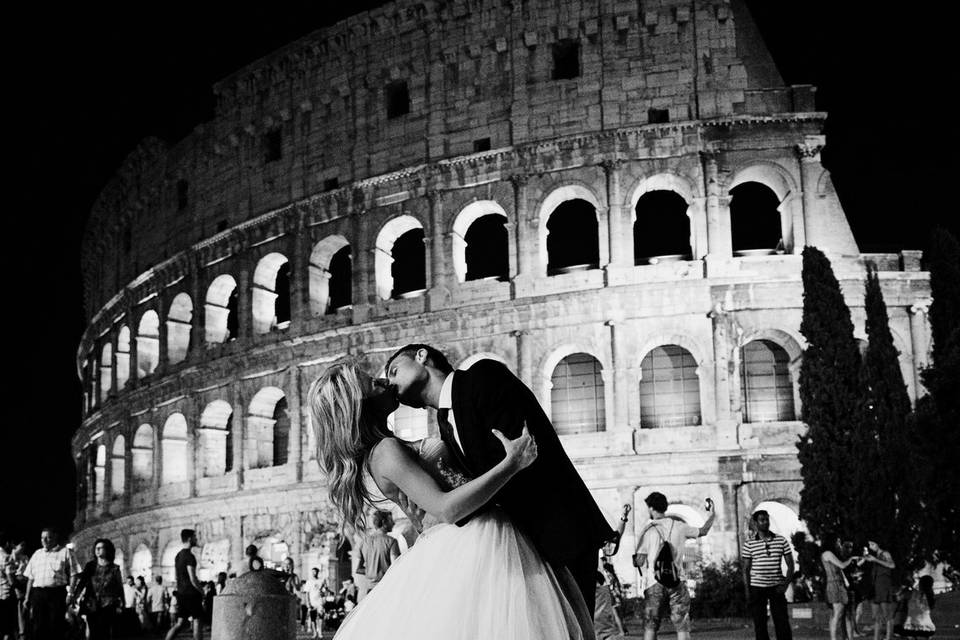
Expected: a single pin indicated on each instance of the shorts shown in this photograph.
(313, 614)
(190, 606)
(658, 597)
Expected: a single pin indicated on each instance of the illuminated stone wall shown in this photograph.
(215, 269)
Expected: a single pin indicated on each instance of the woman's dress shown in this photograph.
(480, 580)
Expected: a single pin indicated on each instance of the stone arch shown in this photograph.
(148, 343)
(270, 297)
(404, 229)
(118, 463)
(472, 359)
(662, 229)
(179, 320)
(167, 560)
(661, 182)
(691, 344)
(327, 281)
(220, 310)
(100, 474)
(268, 427)
(466, 257)
(670, 388)
(141, 458)
(578, 395)
(767, 383)
(106, 371)
(123, 357)
(141, 564)
(751, 226)
(174, 450)
(216, 439)
(561, 257)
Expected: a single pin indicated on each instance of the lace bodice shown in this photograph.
(436, 459)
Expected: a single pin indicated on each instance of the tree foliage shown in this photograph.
(831, 397)
(936, 421)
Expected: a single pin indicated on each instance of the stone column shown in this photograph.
(434, 243)
(162, 337)
(194, 465)
(524, 357)
(299, 248)
(724, 340)
(618, 378)
(295, 413)
(362, 251)
(920, 342)
(718, 230)
(526, 246)
(244, 303)
(239, 424)
(620, 234)
(808, 155)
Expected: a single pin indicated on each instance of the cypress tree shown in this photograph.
(884, 474)
(831, 396)
(936, 421)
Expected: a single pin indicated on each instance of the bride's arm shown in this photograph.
(394, 462)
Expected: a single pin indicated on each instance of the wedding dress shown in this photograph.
(482, 580)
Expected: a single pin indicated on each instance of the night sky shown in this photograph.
(86, 86)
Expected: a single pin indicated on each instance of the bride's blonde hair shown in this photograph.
(344, 438)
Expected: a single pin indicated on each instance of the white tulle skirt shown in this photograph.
(484, 580)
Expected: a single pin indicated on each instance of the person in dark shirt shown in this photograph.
(189, 590)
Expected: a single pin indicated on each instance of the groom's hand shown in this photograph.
(521, 451)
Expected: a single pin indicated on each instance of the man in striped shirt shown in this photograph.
(765, 582)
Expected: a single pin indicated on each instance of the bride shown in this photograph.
(480, 580)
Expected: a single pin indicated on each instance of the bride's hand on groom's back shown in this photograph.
(521, 451)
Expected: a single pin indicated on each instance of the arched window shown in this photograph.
(572, 238)
(783, 520)
(118, 460)
(220, 310)
(480, 242)
(142, 458)
(576, 395)
(173, 443)
(408, 423)
(765, 375)
(267, 424)
(400, 259)
(141, 564)
(168, 560)
(661, 230)
(754, 219)
(271, 293)
(216, 439)
(331, 274)
(273, 549)
(179, 319)
(106, 371)
(123, 357)
(669, 388)
(148, 343)
(100, 475)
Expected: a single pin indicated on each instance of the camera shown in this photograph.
(708, 504)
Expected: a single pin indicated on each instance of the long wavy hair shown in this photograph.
(345, 434)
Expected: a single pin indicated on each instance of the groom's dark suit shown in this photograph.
(548, 500)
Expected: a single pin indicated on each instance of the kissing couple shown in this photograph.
(511, 535)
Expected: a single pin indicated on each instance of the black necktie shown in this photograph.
(446, 429)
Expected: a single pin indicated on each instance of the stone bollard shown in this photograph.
(255, 606)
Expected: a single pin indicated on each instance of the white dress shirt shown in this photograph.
(446, 402)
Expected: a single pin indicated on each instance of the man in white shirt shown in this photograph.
(659, 531)
(314, 587)
(51, 571)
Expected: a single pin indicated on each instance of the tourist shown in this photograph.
(884, 597)
(659, 558)
(189, 590)
(157, 602)
(914, 616)
(766, 584)
(317, 591)
(606, 622)
(51, 571)
(100, 591)
(377, 551)
(837, 586)
(141, 604)
(9, 613)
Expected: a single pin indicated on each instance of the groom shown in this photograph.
(548, 501)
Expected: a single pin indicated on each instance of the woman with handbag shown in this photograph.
(101, 591)
(837, 586)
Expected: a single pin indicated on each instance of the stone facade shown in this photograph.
(196, 358)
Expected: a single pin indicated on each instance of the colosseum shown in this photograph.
(611, 198)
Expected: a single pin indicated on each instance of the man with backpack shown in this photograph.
(659, 557)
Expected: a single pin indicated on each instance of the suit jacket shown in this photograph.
(548, 500)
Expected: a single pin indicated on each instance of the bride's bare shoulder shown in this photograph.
(387, 453)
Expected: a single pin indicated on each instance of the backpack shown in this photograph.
(664, 569)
